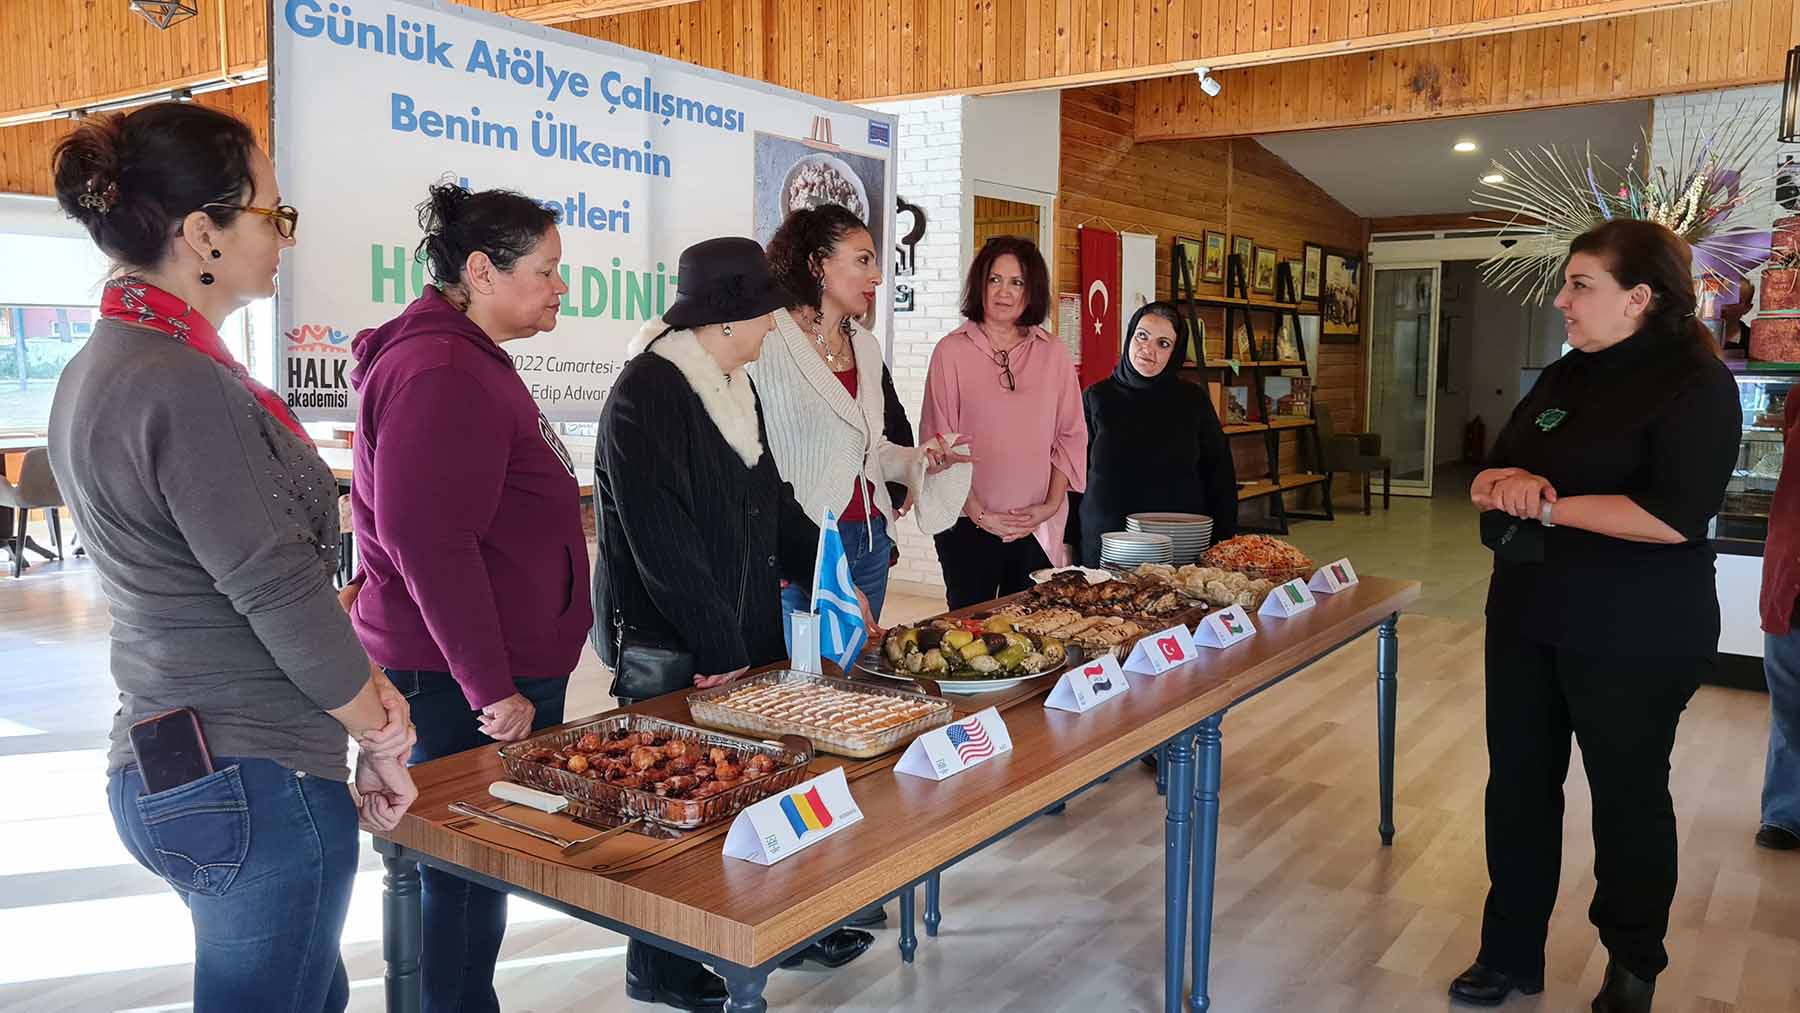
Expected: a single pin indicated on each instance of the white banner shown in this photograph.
(1137, 276)
(642, 155)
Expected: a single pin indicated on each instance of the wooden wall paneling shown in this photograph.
(246, 34)
(1606, 59)
(84, 53)
(1722, 47)
(1017, 37)
(1739, 45)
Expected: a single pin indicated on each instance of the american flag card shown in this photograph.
(954, 748)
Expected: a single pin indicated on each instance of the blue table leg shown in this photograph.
(1178, 759)
(934, 916)
(402, 933)
(909, 937)
(1206, 854)
(744, 988)
(1387, 665)
(1162, 771)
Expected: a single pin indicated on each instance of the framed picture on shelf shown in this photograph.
(1244, 249)
(1215, 257)
(1312, 270)
(1287, 397)
(1340, 301)
(1244, 349)
(1237, 405)
(1189, 251)
(1287, 343)
(1262, 281)
(1294, 269)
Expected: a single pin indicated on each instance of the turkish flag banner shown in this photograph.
(1099, 304)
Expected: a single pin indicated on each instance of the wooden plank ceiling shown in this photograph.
(1720, 45)
(84, 52)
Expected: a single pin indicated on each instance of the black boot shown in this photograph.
(653, 975)
(1776, 838)
(870, 917)
(833, 950)
(1624, 992)
(1483, 986)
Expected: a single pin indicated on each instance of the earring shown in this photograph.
(727, 329)
(206, 277)
(216, 254)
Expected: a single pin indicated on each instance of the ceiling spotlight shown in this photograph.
(1463, 146)
(1494, 178)
(1208, 83)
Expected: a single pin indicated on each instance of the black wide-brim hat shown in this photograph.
(722, 281)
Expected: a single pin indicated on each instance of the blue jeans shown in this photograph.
(1781, 775)
(464, 923)
(264, 858)
(868, 570)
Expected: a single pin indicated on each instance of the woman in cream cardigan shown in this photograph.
(820, 380)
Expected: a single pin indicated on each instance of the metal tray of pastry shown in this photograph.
(594, 799)
(708, 708)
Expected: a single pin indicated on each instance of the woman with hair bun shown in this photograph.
(1601, 614)
(468, 513)
(213, 525)
(820, 378)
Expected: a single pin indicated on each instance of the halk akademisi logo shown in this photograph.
(317, 366)
(318, 338)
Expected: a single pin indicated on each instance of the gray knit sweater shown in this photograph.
(214, 532)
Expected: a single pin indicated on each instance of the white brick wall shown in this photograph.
(931, 175)
(1689, 116)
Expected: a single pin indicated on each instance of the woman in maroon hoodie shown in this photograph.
(467, 509)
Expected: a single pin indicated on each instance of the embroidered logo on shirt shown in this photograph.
(1550, 418)
(548, 432)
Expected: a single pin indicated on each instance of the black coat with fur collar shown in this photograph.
(696, 527)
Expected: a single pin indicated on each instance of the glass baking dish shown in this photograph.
(707, 709)
(593, 799)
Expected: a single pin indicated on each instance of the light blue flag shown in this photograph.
(841, 630)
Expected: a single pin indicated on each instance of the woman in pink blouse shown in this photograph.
(1004, 383)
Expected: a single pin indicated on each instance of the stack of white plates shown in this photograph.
(1130, 548)
(1190, 533)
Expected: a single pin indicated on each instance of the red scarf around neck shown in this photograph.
(136, 301)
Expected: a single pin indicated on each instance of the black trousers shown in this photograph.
(1623, 711)
(978, 566)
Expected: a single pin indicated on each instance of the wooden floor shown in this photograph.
(1312, 915)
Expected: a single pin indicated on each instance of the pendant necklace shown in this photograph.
(818, 335)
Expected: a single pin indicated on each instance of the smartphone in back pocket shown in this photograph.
(170, 750)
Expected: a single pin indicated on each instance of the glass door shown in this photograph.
(1403, 370)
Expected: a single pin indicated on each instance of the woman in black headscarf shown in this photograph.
(1154, 441)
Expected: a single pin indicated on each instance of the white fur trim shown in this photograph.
(728, 400)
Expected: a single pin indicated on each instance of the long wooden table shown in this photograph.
(743, 919)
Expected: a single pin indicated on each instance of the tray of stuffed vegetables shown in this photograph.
(968, 655)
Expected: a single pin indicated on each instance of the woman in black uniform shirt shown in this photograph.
(1154, 441)
(1601, 613)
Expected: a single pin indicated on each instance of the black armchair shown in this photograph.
(1355, 453)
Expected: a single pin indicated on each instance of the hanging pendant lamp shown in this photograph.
(164, 13)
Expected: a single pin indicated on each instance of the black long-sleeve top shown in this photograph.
(895, 427)
(1654, 418)
(692, 544)
(1153, 449)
